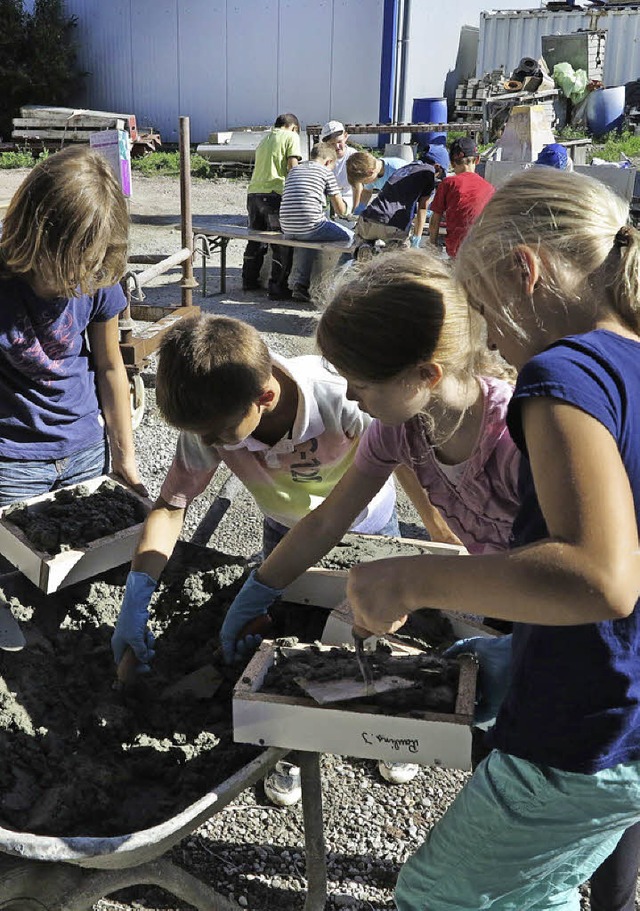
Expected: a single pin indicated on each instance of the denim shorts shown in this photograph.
(520, 837)
(21, 480)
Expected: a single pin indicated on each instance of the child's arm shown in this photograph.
(158, 538)
(430, 516)
(292, 161)
(434, 227)
(160, 532)
(586, 571)
(113, 393)
(320, 530)
(338, 204)
(421, 217)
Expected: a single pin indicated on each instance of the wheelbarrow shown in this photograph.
(42, 873)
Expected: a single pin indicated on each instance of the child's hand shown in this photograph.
(494, 657)
(131, 627)
(253, 600)
(130, 476)
(373, 591)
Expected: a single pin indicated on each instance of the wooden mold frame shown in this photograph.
(354, 729)
(52, 572)
(434, 738)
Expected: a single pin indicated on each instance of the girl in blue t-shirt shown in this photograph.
(62, 378)
(555, 270)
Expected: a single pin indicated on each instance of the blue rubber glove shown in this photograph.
(494, 674)
(253, 600)
(131, 626)
(415, 241)
(359, 209)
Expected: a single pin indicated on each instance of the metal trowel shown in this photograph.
(326, 691)
(11, 636)
(347, 690)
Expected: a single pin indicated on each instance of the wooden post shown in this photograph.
(186, 225)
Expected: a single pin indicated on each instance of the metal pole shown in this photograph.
(313, 831)
(186, 223)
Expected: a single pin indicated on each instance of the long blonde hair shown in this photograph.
(397, 311)
(67, 225)
(576, 225)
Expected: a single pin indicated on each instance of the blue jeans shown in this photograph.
(520, 837)
(22, 480)
(273, 532)
(304, 258)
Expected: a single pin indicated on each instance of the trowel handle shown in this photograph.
(359, 632)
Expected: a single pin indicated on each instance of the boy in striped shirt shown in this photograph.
(303, 213)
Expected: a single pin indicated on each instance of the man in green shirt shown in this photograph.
(277, 153)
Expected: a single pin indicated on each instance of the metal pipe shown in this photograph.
(186, 223)
(404, 57)
(180, 256)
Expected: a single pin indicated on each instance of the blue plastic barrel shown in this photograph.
(605, 110)
(429, 110)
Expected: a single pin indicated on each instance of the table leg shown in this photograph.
(313, 831)
(223, 264)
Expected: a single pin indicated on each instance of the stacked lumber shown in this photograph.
(39, 123)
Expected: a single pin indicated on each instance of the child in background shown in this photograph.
(555, 270)
(277, 153)
(366, 174)
(302, 213)
(461, 197)
(62, 378)
(389, 216)
(555, 155)
(334, 134)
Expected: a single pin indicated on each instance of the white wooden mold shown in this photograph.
(51, 572)
(299, 723)
(353, 729)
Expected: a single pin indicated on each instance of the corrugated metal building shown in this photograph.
(506, 37)
(231, 63)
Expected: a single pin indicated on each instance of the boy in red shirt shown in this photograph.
(461, 196)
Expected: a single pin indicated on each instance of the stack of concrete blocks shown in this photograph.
(526, 132)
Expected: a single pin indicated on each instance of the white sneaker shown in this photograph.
(282, 785)
(398, 772)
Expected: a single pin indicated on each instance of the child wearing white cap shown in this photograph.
(335, 135)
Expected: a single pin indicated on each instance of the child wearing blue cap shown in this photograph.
(555, 155)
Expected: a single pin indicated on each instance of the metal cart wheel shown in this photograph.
(27, 886)
(138, 400)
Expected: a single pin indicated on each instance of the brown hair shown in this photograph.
(574, 222)
(67, 224)
(359, 166)
(322, 150)
(287, 120)
(210, 367)
(396, 311)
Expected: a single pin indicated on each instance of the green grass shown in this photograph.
(626, 143)
(168, 164)
(20, 159)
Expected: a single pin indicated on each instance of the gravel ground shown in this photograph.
(251, 851)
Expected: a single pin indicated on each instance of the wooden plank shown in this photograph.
(64, 114)
(58, 135)
(141, 346)
(241, 232)
(43, 123)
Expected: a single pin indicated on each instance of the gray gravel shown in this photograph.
(251, 851)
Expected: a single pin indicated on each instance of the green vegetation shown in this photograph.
(627, 144)
(168, 164)
(20, 159)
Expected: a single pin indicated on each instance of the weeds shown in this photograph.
(20, 159)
